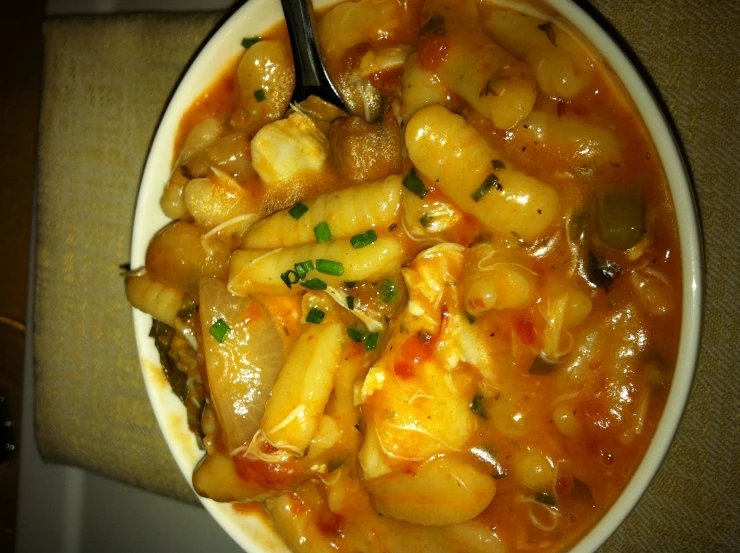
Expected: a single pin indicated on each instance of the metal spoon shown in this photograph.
(311, 76)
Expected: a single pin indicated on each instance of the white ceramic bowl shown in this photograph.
(253, 18)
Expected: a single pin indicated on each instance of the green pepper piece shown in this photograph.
(621, 218)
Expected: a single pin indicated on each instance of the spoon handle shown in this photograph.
(311, 77)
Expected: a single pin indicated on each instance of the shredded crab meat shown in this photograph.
(422, 432)
(370, 322)
(283, 453)
(551, 510)
(296, 413)
(255, 260)
(419, 239)
(331, 478)
(554, 333)
(390, 454)
(246, 220)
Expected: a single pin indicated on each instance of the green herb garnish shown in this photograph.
(290, 278)
(363, 239)
(322, 232)
(260, 95)
(250, 41)
(219, 330)
(298, 210)
(303, 268)
(350, 303)
(414, 184)
(315, 316)
(426, 220)
(372, 341)
(498, 164)
(387, 291)
(485, 187)
(356, 335)
(314, 284)
(333, 268)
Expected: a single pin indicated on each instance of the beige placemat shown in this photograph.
(106, 83)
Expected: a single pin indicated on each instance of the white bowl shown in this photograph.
(253, 18)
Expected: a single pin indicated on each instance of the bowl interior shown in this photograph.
(250, 529)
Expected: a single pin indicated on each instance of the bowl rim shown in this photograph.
(250, 532)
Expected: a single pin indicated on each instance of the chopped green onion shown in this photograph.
(363, 239)
(350, 283)
(333, 268)
(322, 232)
(298, 210)
(315, 316)
(303, 268)
(485, 187)
(356, 335)
(350, 303)
(387, 291)
(250, 41)
(314, 284)
(498, 164)
(414, 184)
(471, 319)
(372, 341)
(260, 95)
(286, 278)
(219, 330)
(426, 220)
(545, 498)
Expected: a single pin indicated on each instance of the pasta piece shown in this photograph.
(216, 478)
(239, 391)
(578, 305)
(473, 537)
(441, 492)
(352, 23)
(258, 271)
(565, 419)
(266, 80)
(420, 88)
(231, 154)
(202, 135)
(535, 471)
(288, 149)
(427, 217)
(347, 212)
(153, 298)
(562, 66)
(294, 410)
(497, 85)
(384, 59)
(653, 290)
(321, 112)
(172, 201)
(570, 137)
(177, 257)
(450, 152)
(215, 200)
(499, 284)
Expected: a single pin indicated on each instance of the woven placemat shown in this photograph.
(106, 82)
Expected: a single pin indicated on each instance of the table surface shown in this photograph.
(83, 512)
